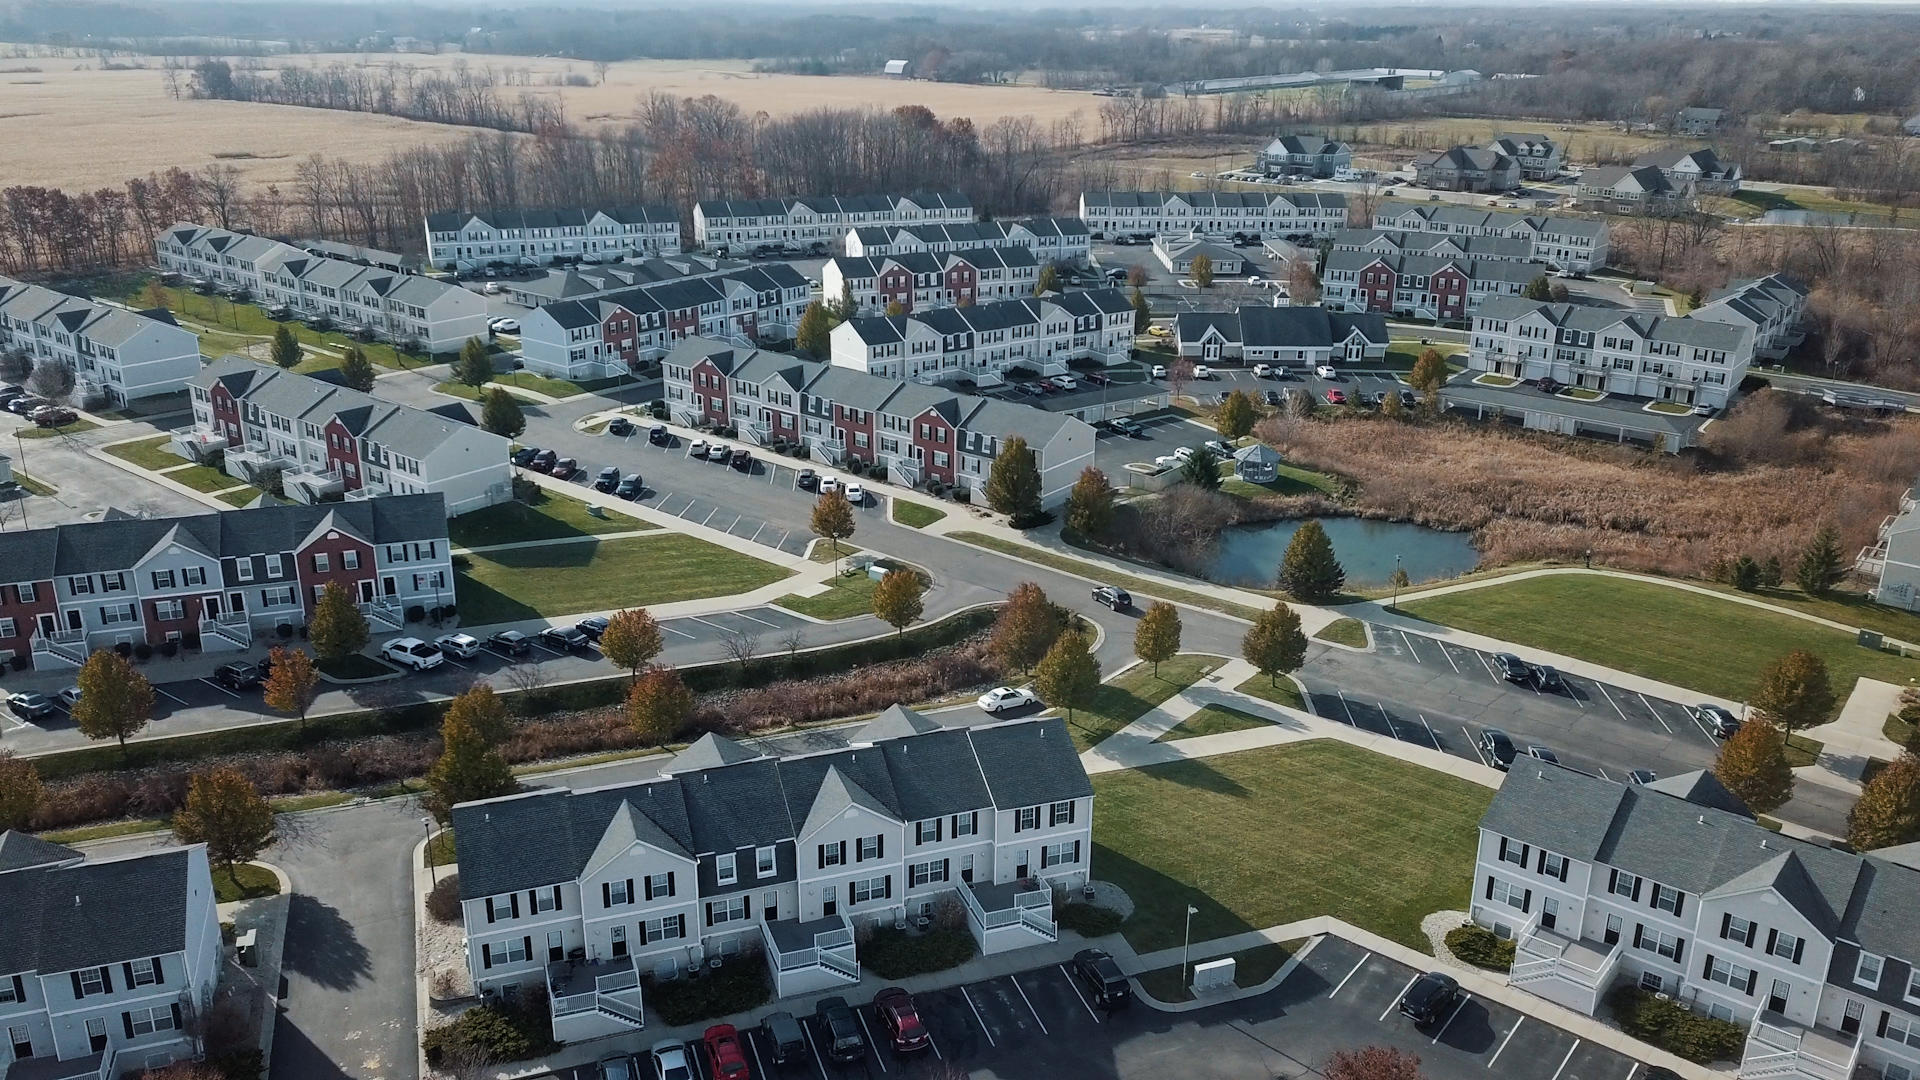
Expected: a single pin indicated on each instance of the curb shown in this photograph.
(1240, 993)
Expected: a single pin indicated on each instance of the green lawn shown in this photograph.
(246, 882)
(1214, 720)
(825, 551)
(548, 516)
(1137, 585)
(1251, 967)
(1848, 609)
(1402, 353)
(563, 579)
(241, 497)
(38, 432)
(234, 325)
(540, 384)
(1670, 408)
(848, 596)
(148, 453)
(1122, 700)
(1270, 836)
(473, 393)
(1685, 638)
(1344, 632)
(204, 478)
(917, 515)
(440, 849)
(1292, 480)
(1281, 692)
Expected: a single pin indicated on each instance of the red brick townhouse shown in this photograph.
(219, 581)
(1444, 287)
(917, 431)
(921, 280)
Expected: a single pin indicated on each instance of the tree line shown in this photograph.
(466, 96)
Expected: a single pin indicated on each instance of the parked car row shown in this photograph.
(842, 1039)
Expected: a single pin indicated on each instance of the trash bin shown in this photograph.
(246, 949)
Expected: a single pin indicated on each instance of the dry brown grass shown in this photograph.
(1539, 497)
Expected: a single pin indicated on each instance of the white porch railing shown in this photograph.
(67, 645)
(829, 950)
(599, 998)
(1782, 1048)
(1024, 904)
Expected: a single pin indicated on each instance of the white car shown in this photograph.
(1168, 461)
(412, 652)
(493, 288)
(1326, 371)
(670, 1061)
(829, 484)
(1202, 371)
(505, 326)
(464, 646)
(1065, 382)
(70, 696)
(1183, 454)
(1262, 371)
(1159, 371)
(856, 494)
(1005, 697)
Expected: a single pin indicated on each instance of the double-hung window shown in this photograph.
(1653, 941)
(147, 1021)
(1784, 945)
(724, 870)
(764, 862)
(859, 892)
(1732, 976)
(866, 847)
(1027, 817)
(1060, 813)
(1866, 971)
(1055, 854)
(1501, 892)
(1667, 899)
(924, 873)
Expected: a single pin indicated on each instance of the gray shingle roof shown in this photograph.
(19, 850)
(94, 913)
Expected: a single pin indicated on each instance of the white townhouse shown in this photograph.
(1051, 239)
(1576, 245)
(1696, 172)
(334, 442)
(920, 280)
(1537, 155)
(820, 220)
(1772, 307)
(464, 240)
(946, 343)
(1300, 338)
(1290, 214)
(917, 431)
(1675, 889)
(593, 895)
(116, 353)
(106, 964)
(395, 306)
(1632, 354)
(1304, 155)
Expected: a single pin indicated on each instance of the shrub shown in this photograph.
(443, 903)
(739, 986)
(1665, 1024)
(285, 630)
(143, 652)
(123, 648)
(241, 1064)
(897, 954)
(416, 613)
(501, 1032)
(169, 648)
(1088, 920)
(1480, 947)
(878, 473)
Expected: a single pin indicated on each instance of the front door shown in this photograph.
(97, 1034)
(210, 606)
(770, 906)
(1777, 1000)
(48, 624)
(556, 946)
(966, 868)
(829, 901)
(366, 590)
(619, 942)
(1850, 1020)
(73, 619)
(1020, 868)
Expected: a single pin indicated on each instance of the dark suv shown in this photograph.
(1112, 596)
(1099, 975)
(239, 675)
(1431, 997)
(1547, 680)
(844, 1043)
(1497, 747)
(1512, 668)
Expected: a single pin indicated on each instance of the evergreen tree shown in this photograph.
(337, 629)
(1027, 626)
(1013, 485)
(1309, 570)
(848, 308)
(115, 700)
(1090, 503)
(286, 351)
(658, 705)
(1201, 271)
(20, 791)
(1142, 312)
(1049, 280)
(631, 640)
(812, 336)
(1753, 765)
(1275, 645)
(1888, 810)
(469, 768)
(292, 683)
(481, 709)
(501, 414)
(1429, 371)
(1794, 692)
(1746, 574)
(1201, 469)
(1820, 565)
(1156, 637)
(224, 811)
(356, 370)
(1538, 289)
(1068, 676)
(1235, 418)
(897, 599)
(474, 367)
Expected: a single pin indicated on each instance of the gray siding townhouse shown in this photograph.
(1537, 155)
(1565, 242)
(1684, 360)
(1674, 888)
(1446, 287)
(1694, 120)
(819, 220)
(1299, 338)
(1693, 172)
(1043, 333)
(106, 963)
(591, 895)
(918, 280)
(1303, 155)
(1050, 239)
(1295, 215)
(1466, 168)
(1894, 559)
(587, 282)
(1628, 189)
(1772, 307)
(465, 240)
(116, 354)
(1177, 255)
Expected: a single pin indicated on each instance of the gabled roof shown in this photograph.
(67, 915)
(898, 722)
(1207, 200)
(1625, 180)
(1700, 333)
(19, 850)
(414, 433)
(1464, 157)
(710, 751)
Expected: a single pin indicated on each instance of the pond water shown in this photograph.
(1821, 217)
(1250, 554)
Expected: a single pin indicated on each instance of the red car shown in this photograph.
(729, 1061)
(1336, 396)
(893, 1007)
(564, 469)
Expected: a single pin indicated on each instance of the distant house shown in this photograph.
(1627, 190)
(1698, 121)
(1538, 155)
(1911, 125)
(1465, 168)
(1303, 155)
(1694, 172)
(1798, 145)
(1771, 306)
(1177, 255)
(898, 68)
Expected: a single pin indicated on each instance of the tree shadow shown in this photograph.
(322, 945)
(296, 1054)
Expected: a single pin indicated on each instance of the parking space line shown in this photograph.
(1451, 1017)
(1449, 656)
(731, 524)
(1632, 1067)
(164, 694)
(715, 625)
(1602, 770)
(710, 513)
(1410, 648)
(1473, 743)
(691, 503)
(1488, 664)
(749, 618)
(1344, 707)
(1504, 1042)
(669, 629)
(1030, 1008)
(1076, 992)
(1343, 981)
(984, 1029)
(1395, 1002)
(1391, 730)
(1610, 701)
(1564, 1060)
(861, 1015)
(819, 1062)
(220, 688)
(783, 539)
(1656, 712)
(753, 1044)
(757, 532)
(1429, 727)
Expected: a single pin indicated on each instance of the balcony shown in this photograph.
(1008, 915)
(252, 462)
(226, 632)
(312, 484)
(591, 999)
(1779, 1047)
(805, 957)
(1572, 971)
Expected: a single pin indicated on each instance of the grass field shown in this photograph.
(1265, 837)
(148, 453)
(1749, 202)
(475, 393)
(543, 582)
(38, 432)
(241, 497)
(1293, 480)
(1128, 697)
(547, 517)
(32, 486)
(916, 515)
(1656, 631)
(1213, 720)
(848, 596)
(203, 478)
(1280, 692)
(1137, 585)
(231, 327)
(1344, 632)
(246, 882)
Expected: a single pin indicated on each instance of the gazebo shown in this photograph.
(1257, 464)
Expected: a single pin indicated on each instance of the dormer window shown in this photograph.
(724, 870)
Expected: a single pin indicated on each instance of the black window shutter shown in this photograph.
(1540, 864)
(843, 853)
(513, 902)
(489, 909)
(486, 955)
(629, 890)
(556, 898)
(1726, 923)
(1637, 929)
(106, 978)
(1489, 886)
(823, 857)
(77, 992)
(1526, 900)
(1772, 936)
(1706, 966)
(746, 906)
(126, 1019)
(19, 989)
(159, 973)
(1563, 869)
(1503, 849)
(1637, 882)
(1881, 1032)
(709, 914)
(670, 876)
(886, 887)
(176, 1016)
(648, 886)
(606, 898)
(680, 920)
(1680, 905)
(1679, 949)
(1613, 878)
(1072, 807)
(1798, 944)
(1525, 850)
(127, 969)
(1076, 851)
(975, 819)
(533, 901)
(938, 825)
(526, 946)
(1752, 929)
(947, 865)
(880, 846)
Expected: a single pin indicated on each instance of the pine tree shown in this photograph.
(1049, 280)
(1235, 418)
(1753, 765)
(1026, 627)
(1201, 271)
(224, 811)
(481, 709)
(468, 769)
(1309, 570)
(115, 700)
(20, 791)
(1429, 371)
(1820, 564)
(1794, 692)
(1142, 312)
(658, 705)
(1068, 676)
(501, 414)
(292, 683)
(337, 629)
(1888, 810)
(848, 308)
(1090, 503)
(1013, 484)
(1156, 637)
(1201, 469)
(631, 640)
(474, 367)
(1538, 289)
(832, 518)
(286, 348)
(1275, 645)
(897, 599)
(356, 370)
(812, 336)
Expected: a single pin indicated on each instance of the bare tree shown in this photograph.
(794, 640)
(740, 647)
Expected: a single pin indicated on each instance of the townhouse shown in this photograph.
(1675, 889)
(1289, 214)
(591, 895)
(1042, 333)
(1177, 253)
(589, 282)
(1628, 189)
(108, 964)
(220, 581)
(1567, 243)
(1772, 307)
(1893, 560)
(920, 280)
(1391, 242)
(463, 240)
(1695, 120)
(438, 316)
(1684, 360)
(917, 432)
(1293, 337)
(1695, 172)
(1446, 287)
(1051, 239)
(116, 354)
(612, 334)
(1303, 156)
(1537, 155)
(333, 442)
(822, 220)
(1466, 168)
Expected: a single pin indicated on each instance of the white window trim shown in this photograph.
(725, 869)
(1879, 969)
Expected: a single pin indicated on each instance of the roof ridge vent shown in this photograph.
(1702, 820)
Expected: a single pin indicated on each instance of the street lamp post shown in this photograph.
(1186, 947)
(1396, 582)
(433, 869)
(1589, 558)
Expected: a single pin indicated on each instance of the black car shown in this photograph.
(592, 627)
(1273, 398)
(781, 1031)
(31, 706)
(1100, 976)
(620, 426)
(806, 480)
(1497, 747)
(1543, 754)
(510, 643)
(525, 455)
(743, 460)
(239, 675)
(630, 487)
(1431, 997)
(1642, 776)
(1547, 680)
(608, 479)
(1408, 399)
(1112, 596)
(1132, 429)
(658, 435)
(844, 1042)
(543, 460)
(1722, 723)
(563, 638)
(1512, 668)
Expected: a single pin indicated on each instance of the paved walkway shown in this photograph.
(1858, 733)
(258, 986)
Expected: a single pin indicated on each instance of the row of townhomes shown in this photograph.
(609, 335)
(587, 895)
(822, 219)
(1293, 337)
(586, 282)
(115, 353)
(107, 964)
(1662, 180)
(1042, 333)
(921, 280)
(1051, 239)
(1537, 155)
(439, 315)
(1303, 156)
(1569, 243)
(1684, 360)
(1290, 214)
(917, 431)
(333, 442)
(1466, 168)
(1893, 560)
(1440, 286)
(1675, 888)
(1772, 306)
(464, 240)
(215, 581)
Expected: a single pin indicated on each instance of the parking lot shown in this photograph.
(1037, 1023)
